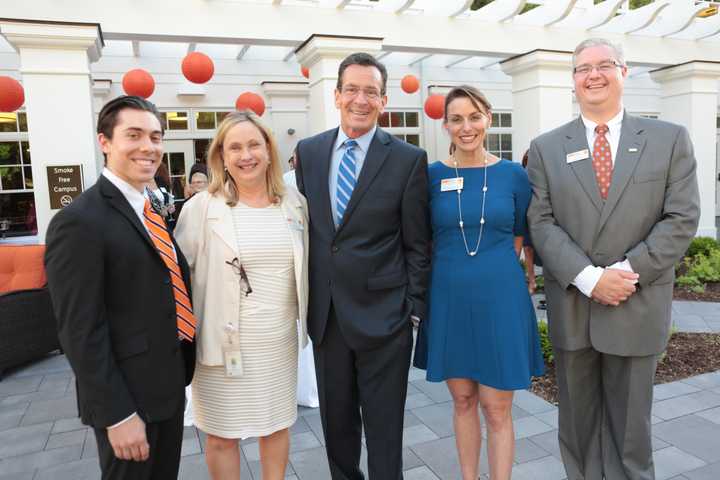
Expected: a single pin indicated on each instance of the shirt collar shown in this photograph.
(363, 141)
(612, 124)
(135, 198)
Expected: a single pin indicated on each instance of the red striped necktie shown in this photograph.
(161, 239)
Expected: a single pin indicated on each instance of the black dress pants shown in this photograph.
(363, 388)
(165, 439)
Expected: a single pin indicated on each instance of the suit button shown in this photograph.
(166, 281)
(335, 249)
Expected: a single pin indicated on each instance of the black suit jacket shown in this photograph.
(114, 304)
(375, 267)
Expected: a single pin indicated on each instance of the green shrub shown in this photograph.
(545, 344)
(539, 283)
(698, 270)
(702, 245)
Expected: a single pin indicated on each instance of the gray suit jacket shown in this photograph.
(649, 217)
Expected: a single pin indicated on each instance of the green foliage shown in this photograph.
(528, 6)
(639, 3)
(698, 270)
(478, 4)
(704, 245)
(539, 283)
(545, 344)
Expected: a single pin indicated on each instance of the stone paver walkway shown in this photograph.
(42, 439)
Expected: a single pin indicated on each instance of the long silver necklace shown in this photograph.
(461, 223)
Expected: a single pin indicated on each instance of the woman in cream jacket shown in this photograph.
(245, 239)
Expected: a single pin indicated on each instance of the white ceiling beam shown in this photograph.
(634, 20)
(290, 54)
(405, 6)
(547, 14)
(382, 55)
(191, 47)
(337, 4)
(459, 60)
(420, 59)
(463, 8)
(489, 64)
(242, 52)
(136, 48)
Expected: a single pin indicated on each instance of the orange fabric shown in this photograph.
(21, 267)
(161, 238)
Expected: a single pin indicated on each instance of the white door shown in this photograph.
(179, 158)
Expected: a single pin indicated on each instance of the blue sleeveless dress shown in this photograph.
(481, 323)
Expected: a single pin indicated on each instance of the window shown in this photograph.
(410, 138)
(17, 201)
(208, 120)
(399, 119)
(175, 120)
(404, 125)
(13, 122)
(499, 136)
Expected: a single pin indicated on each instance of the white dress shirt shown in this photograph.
(588, 278)
(135, 198)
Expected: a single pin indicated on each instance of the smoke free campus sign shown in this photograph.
(64, 184)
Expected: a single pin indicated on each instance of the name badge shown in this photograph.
(295, 225)
(579, 155)
(451, 184)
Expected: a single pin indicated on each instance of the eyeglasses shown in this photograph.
(351, 91)
(603, 67)
(240, 271)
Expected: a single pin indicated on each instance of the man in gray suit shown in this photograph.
(615, 204)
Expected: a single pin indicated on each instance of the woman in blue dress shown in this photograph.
(481, 329)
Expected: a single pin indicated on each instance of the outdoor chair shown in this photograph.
(27, 323)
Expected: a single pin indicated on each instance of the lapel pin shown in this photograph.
(632, 150)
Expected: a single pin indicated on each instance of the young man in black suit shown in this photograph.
(119, 304)
(369, 270)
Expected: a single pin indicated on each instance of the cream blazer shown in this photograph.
(206, 236)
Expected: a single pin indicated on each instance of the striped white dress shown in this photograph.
(263, 400)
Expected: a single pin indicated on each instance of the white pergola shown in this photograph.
(676, 41)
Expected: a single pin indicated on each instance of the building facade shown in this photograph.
(71, 58)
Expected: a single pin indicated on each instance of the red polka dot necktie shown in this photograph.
(602, 160)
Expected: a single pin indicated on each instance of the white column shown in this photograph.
(689, 97)
(542, 94)
(288, 112)
(322, 54)
(54, 63)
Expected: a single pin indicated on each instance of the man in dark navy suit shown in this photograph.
(369, 270)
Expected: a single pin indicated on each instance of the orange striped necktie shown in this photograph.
(161, 239)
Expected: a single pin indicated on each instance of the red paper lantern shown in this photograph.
(251, 101)
(12, 95)
(197, 67)
(138, 82)
(435, 106)
(409, 84)
(305, 72)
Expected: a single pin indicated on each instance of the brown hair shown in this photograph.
(221, 181)
(476, 97)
